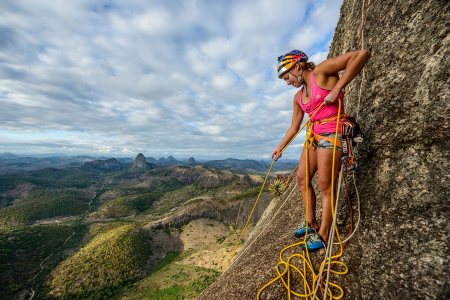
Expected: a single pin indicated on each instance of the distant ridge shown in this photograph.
(111, 164)
(170, 161)
(236, 164)
(249, 164)
(10, 162)
(8, 155)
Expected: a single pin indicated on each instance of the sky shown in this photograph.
(171, 77)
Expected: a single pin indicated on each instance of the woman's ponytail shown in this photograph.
(310, 65)
(307, 65)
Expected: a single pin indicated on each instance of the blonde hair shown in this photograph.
(307, 65)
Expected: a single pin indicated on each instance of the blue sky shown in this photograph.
(181, 78)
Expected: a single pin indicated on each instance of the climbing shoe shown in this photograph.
(301, 231)
(314, 242)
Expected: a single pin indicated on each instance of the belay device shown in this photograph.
(351, 136)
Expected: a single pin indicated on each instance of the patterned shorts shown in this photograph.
(324, 144)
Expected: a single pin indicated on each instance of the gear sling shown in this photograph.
(351, 135)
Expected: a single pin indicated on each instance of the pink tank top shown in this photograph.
(330, 110)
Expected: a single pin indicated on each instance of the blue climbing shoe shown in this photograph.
(314, 242)
(301, 231)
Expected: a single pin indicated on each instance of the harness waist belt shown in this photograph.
(328, 120)
(319, 137)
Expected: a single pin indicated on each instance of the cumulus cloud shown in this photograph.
(186, 78)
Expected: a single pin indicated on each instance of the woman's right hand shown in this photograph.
(276, 154)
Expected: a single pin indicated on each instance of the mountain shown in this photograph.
(8, 155)
(125, 160)
(235, 164)
(17, 163)
(249, 165)
(169, 161)
(139, 162)
(14, 163)
(110, 164)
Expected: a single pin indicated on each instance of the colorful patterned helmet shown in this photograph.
(287, 61)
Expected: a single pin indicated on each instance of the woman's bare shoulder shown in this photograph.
(324, 76)
(333, 65)
(323, 68)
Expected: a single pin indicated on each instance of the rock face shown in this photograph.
(187, 175)
(236, 212)
(191, 161)
(215, 179)
(204, 177)
(247, 181)
(401, 247)
(139, 162)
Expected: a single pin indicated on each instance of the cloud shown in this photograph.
(319, 57)
(223, 81)
(196, 78)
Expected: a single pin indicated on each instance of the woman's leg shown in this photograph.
(324, 166)
(301, 180)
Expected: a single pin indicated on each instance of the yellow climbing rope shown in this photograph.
(264, 183)
(267, 176)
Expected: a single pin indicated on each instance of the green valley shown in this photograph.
(107, 230)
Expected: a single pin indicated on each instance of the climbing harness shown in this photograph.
(318, 137)
(351, 136)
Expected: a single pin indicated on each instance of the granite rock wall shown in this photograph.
(401, 248)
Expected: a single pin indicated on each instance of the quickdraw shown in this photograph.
(351, 136)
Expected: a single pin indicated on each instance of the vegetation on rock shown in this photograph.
(111, 260)
(41, 204)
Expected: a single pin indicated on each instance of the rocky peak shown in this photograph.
(191, 161)
(171, 159)
(139, 161)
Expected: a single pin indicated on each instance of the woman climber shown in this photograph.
(318, 86)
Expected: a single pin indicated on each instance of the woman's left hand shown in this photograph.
(331, 97)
